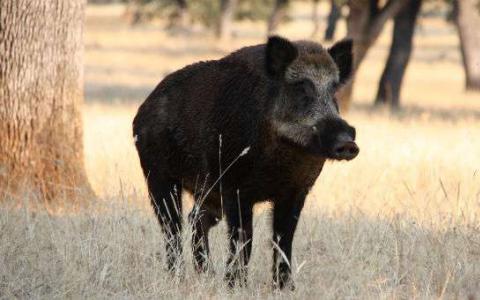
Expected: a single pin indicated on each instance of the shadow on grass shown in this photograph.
(113, 70)
(421, 112)
(190, 50)
(116, 93)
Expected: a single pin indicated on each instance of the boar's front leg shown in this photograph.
(239, 213)
(286, 213)
(202, 220)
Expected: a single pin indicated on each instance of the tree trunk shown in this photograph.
(227, 11)
(364, 24)
(278, 13)
(315, 18)
(333, 17)
(183, 12)
(133, 12)
(399, 56)
(468, 25)
(182, 4)
(41, 93)
(357, 27)
(180, 17)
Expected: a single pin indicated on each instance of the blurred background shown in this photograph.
(416, 62)
(402, 220)
(415, 68)
(382, 30)
(242, 22)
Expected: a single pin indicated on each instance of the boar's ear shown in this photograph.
(341, 53)
(280, 53)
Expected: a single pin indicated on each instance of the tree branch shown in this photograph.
(373, 8)
(390, 9)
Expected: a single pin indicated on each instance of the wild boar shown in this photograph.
(256, 125)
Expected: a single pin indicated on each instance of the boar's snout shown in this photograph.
(345, 147)
(334, 139)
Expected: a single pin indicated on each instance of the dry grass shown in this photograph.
(400, 221)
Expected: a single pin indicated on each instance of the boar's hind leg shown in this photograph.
(165, 195)
(239, 219)
(286, 213)
(201, 222)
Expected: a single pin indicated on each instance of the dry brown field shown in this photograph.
(400, 221)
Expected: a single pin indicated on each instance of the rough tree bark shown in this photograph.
(333, 16)
(224, 25)
(41, 93)
(468, 26)
(278, 13)
(399, 56)
(365, 22)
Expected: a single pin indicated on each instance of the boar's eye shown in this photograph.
(307, 101)
(305, 87)
(300, 83)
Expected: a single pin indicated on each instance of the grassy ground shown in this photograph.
(400, 221)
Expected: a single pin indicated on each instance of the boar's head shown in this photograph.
(304, 78)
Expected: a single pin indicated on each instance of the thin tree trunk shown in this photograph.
(133, 12)
(278, 13)
(357, 26)
(227, 11)
(333, 17)
(183, 11)
(182, 4)
(364, 24)
(315, 18)
(180, 17)
(399, 56)
(468, 25)
(41, 93)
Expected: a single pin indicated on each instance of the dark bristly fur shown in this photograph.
(273, 108)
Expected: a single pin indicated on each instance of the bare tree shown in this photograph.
(41, 93)
(227, 12)
(278, 13)
(468, 26)
(399, 56)
(315, 17)
(365, 22)
(182, 6)
(333, 16)
(180, 15)
(133, 13)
